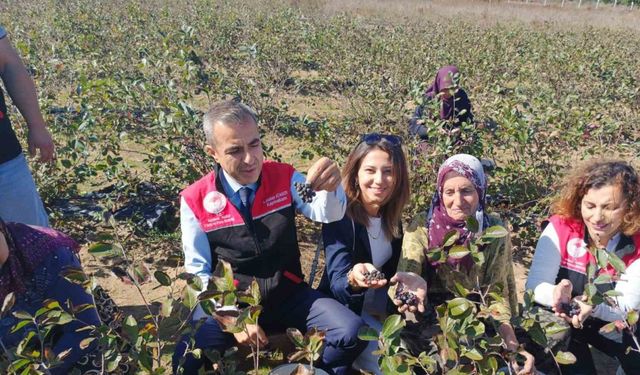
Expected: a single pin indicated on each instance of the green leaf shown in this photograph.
(632, 317)
(607, 328)
(296, 337)
(195, 283)
(538, 335)
(86, 342)
(602, 279)
(19, 325)
(22, 315)
(472, 224)
(7, 304)
(254, 290)
(18, 364)
(223, 277)
(496, 231)
(166, 306)
(617, 263)
(162, 278)
(555, 328)
(459, 306)
(101, 249)
(64, 318)
(450, 238)
(25, 342)
(460, 290)
(367, 333)
(458, 252)
(130, 328)
(473, 354)
(591, 271)
(602, 258)
(392, 325)
(189, 298)
(613, 293)
(565, 358)
(168, 328)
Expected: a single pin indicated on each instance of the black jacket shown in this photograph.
(342, 251)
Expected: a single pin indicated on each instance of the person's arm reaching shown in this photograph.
(197, 254)
(22, 90)
(330, 202)
(545, 267)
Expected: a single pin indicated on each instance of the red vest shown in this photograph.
(575, 256)
(266, 248)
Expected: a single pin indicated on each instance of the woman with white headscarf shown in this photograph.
(460, 194)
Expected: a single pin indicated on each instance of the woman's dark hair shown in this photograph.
(595, 174)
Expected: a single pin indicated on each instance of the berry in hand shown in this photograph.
(304, 191)
(374, 275)
(406, 297)
(570, 309)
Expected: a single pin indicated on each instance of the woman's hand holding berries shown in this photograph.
(411, 292)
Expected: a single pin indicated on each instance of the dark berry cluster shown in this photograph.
(305, 191)
(570, 309)
(374, 275)
(406, 297)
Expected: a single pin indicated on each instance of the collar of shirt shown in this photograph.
(613, 243)
(231, 187)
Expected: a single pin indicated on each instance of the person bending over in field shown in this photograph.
(363, 248)
(597, 208)
(460, 194)
(443, 100)
(19, 199)
(244, 213)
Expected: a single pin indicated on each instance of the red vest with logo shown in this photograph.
(575, 256)
(265, 248)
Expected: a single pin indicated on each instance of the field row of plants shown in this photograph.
(123, 86)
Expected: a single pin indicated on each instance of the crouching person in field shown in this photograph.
(31, 262)
(243, 212)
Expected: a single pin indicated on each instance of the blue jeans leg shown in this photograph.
(307, 308)
(208, 336)
(19, 199)
(62, 291)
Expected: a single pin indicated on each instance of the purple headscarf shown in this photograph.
(439, 222)
(28, 247)
(444, 79)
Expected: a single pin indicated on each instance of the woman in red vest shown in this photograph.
(597, 211)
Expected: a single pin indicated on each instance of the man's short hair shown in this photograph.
(227, 112)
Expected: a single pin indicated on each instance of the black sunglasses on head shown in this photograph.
(375, 138)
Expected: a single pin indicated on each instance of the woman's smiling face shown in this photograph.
(459, 196)
(375, 180)
(603, 211)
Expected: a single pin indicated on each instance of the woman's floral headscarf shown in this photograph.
(439, 222)
(28, 247)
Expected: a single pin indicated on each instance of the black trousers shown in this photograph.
(589, 335)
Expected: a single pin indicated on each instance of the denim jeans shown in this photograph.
(46, 283)
(303, 309)
(19, 199)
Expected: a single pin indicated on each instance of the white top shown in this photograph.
(375, 300)
(545, 267)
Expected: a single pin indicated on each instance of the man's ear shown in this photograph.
(209, 150)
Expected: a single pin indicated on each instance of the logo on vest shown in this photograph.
(214, 202)
(576, 247)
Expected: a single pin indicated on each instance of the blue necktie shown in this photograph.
(244, 193)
